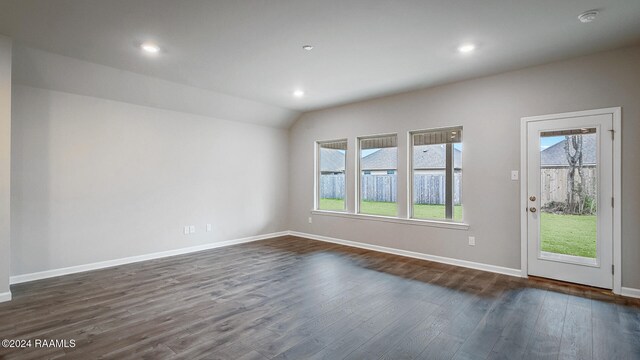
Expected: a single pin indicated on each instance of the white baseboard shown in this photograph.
(630, 292)
(6, 296)
(17, 279)
(412, 254)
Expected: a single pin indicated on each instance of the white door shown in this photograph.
(570, 199)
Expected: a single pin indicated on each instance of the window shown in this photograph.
(436, 166)
(332, 157)
(432, 179)
(378, 175)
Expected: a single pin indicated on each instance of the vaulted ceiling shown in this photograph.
(362, 48)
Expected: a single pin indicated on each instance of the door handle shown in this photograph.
(532, 198)
(532, 209)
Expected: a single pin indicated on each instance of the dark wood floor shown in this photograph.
(292, 298)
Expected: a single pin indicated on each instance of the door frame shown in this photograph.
(616, 113)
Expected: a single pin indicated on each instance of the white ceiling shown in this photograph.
(363, 48)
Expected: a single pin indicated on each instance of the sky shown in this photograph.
(547, 141)
(371, 151)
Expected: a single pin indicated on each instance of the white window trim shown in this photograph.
(316, 177)
(356, 215)
(397, 220)
(410, 175)
(359, 170)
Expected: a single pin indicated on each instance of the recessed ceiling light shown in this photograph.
(466, 48)
(150, 47)
(308, 47)
(298, 93)
(588, 16)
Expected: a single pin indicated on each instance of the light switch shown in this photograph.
(192, 229)
(472, 240)
(514, 175)
(208, 227)
(186, 230)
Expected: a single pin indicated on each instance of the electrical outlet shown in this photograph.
(472, 240)
(208, 227)
(514, 175)
(186, 230)
(310, 220)
(192, 229)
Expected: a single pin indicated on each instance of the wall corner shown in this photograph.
(5, 166)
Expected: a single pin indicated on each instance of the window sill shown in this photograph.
(431, 223)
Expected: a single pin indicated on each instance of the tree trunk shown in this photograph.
(575, 190)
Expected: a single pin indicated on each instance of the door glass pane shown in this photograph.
(568, 192)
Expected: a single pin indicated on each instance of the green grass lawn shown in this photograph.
(435, 212)
(560, 234)
(332, 204)
(390, 209)
(569, 234)
(379, 208)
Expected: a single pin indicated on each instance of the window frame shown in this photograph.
(404, 201)
(358, 195)
(318, 171)
(449, 171)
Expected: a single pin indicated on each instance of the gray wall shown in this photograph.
(46, 70)
(5, 160)
(97, 179)
(490, 109)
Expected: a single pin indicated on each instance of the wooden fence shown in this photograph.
(554, 183)
(428, 188)
(431, 188)
(332, 186)
(379, 188)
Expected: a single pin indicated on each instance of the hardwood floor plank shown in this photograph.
(444, 346)
(519, 324)
(393, 333)
(577, 333)
(417, 340)
(294, 298)
(545, 340)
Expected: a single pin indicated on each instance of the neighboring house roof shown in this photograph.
(433, 157)
(424, 157)
(331, 160)
(555, 154)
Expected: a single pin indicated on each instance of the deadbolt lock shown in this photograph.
(532, 198)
